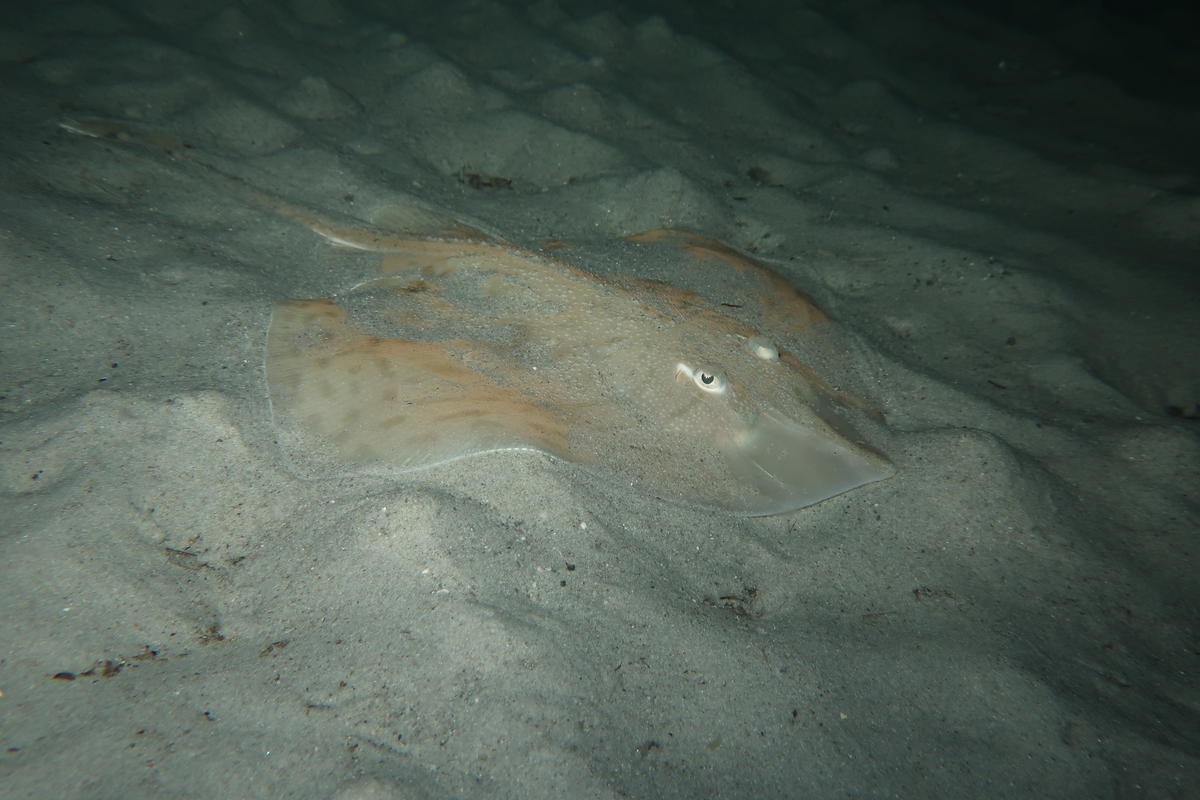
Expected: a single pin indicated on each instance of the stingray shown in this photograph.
(728, 394)
(470, 345)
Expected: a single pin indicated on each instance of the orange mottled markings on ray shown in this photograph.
(431, 357)
(699, 245)
(785, 305)
(689, 304)
(788, 306)
(504, 410)
(414, 287)
(372, 395)
(657, 235)
(464, 399)
(422, 307)
(313, 324)
(436, 256)
(467, 233)
(429, 258)
(674, 297)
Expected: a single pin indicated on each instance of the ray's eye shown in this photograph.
(709, 381)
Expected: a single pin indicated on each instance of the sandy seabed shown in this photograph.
(1005, 215)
